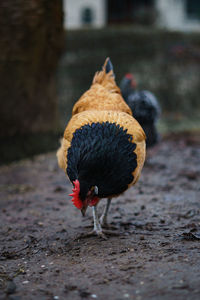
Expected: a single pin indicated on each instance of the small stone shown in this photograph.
(154, 216)
(40, 224)
(94, 296)
(58, 189)
(181, 281)
(25, 282)
(84, 294)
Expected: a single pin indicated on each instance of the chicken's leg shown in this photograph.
(97, 226)
(97, 230)
(103, 219)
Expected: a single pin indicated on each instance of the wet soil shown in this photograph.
(155, 256)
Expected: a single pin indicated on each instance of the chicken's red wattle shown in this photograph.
(75, 195)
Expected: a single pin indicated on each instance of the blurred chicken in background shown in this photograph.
(145, 107)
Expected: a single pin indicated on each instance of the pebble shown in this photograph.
(94, 296)
(25, 282)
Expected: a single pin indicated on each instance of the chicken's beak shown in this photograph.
(83, 211)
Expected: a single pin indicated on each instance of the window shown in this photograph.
(130, 11)
(87, 16)
(193, 9)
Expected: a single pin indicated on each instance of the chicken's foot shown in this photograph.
(97, 230)
(97, 226)
(102, 234)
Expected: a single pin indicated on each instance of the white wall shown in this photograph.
(73, 9)
(172, 15)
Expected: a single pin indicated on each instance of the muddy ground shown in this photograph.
(155, 256)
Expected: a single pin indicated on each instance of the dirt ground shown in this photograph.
(155, 256)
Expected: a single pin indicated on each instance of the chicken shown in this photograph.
(144, 106)
(103, 147)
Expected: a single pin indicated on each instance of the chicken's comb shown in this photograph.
(129, 76)
(75, 195)
(132, 78)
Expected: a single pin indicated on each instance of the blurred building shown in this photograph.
(178, 14)
(80, 13)
(170, 14)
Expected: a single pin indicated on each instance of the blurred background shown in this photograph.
(50, 50)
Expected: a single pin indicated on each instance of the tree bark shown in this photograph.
(31, 40)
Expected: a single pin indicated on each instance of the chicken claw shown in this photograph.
(101, 234)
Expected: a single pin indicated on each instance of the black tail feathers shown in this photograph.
(109, 66)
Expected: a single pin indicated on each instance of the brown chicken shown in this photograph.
(103, 147)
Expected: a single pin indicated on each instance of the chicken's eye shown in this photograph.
(96, 190)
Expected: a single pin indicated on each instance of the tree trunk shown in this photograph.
(31, 40)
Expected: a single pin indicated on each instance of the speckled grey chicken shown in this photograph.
(145, 108)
